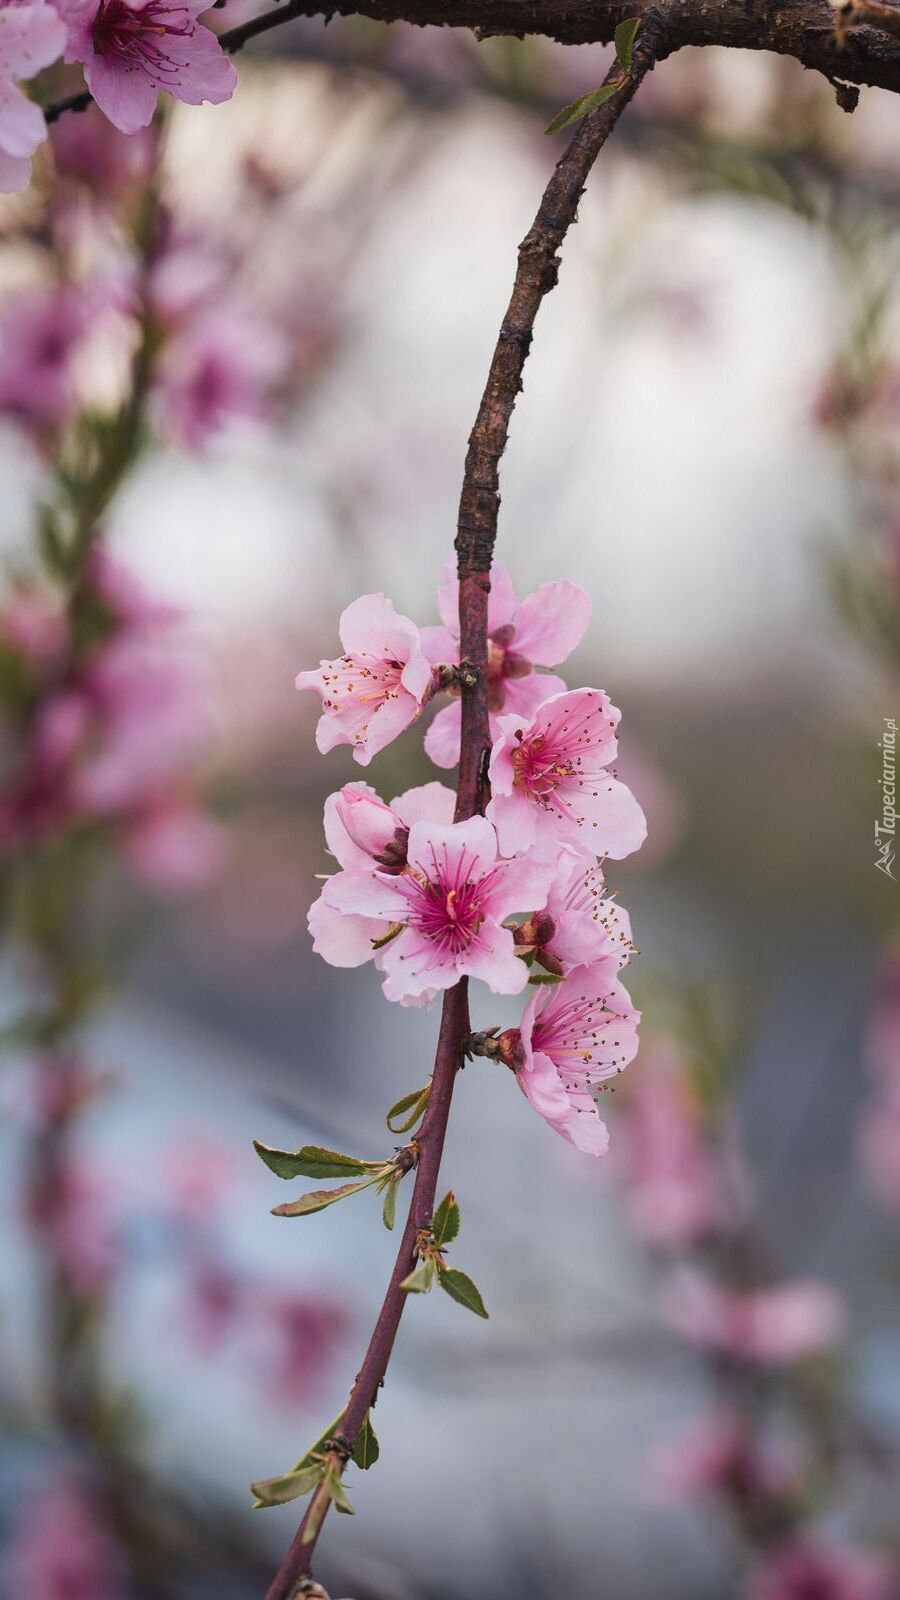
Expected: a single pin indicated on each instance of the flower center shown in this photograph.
(446, 906)
(133, 36)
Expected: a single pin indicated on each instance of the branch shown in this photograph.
(476, 533)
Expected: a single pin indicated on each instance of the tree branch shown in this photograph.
(476, 532)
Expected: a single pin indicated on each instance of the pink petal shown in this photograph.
(540, 1083)
(416, 675)
(551, 623)
(614, 824)
(204, 72)
(412, 969)
(22, 125)
(493, 960)
(15, 173)
(522, 696)
(337, 838)
(516, 822)
(429, 802)
(31, 37)
(520, 886)
(442, 738)
(342, 940)
(439, 645)
(127, 97)
(371, 626)
(388, 721)
(472, 843)
(366, 894)
(501, 601)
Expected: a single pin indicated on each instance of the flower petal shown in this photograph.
(551, 623)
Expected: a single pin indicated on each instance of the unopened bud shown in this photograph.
(374, 827)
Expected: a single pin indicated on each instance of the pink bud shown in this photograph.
(374, 827)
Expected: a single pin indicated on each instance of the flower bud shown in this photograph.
(374, 827)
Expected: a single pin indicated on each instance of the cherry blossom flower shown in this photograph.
(674, 1188)
(76, 1224)
(173, 844)
(62, 1547)
(133, 48)
(300, 1331)
(222, 368)
(33, 625)
(829, 1571)
(31, 38)
(580, 924)
(341, 938)
(377, 687)
(40, 335)
(448, 908)
(538, 632)
(720, 1455)
(88, 151)
(550, 781)
(572, 1038)
(779, 1325)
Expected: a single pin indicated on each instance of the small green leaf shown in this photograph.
(420, 1279)
(445, 1222)
(318, 1199)
(338, 1493)
(390, 1205)
(460, 1287)
(587, 102)
(541, 979)
(365, 1450)
(414, 1104)
(624, 36)
(312, 1162)
(291, 1486)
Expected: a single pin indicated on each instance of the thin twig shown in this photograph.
(476, 532)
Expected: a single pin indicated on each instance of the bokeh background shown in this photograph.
(707, 442)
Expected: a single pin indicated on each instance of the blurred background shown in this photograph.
(239, 359)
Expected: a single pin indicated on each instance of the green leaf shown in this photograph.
(587, 102)
(445, 1222)
(291, 1486)
(414, 1104)
(420, 1279)
(390, 1205)
(312, 1162)
(540, 979)
(624, 36)
(338, 1493)
(318, 1199)
(460, 1287)
(365, 1450)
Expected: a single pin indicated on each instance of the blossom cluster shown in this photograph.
(129, 49)
(515, 897)
(115, 719)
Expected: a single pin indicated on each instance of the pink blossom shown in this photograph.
(173, 844)
(581, 924)
(807, 1568)
(786, 1323)
(33, 624)
(448, 908)
(222, 368)
(674, 1189)
(377, 687)
(40, 335)
(538, 632)
(301, 1331)
(342, 939)
(107, 163)
(123, 595)
(572, 1038)
(31, 38)
(133, 48)
(62, 1548)
(720, 1455)
(878, 1145)
(75, 1221)
(550, 781)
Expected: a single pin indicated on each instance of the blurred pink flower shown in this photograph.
(62, 1549)
(301, 1331)
(550, 781)
(75, 1219)
(807, 1568)
(779, 1325)
(173, 844)
(878, 1146)
(720, 1455)
(343, 939)
(541, 631)
(222, 368)
(378, 687)
(40, 334)
(133, 48)
(673, 1185)
(32, 36)
(449, 908)
(124, 596)
(33, 623)
(109, 164)
(572, 1038)
(883, 1041)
